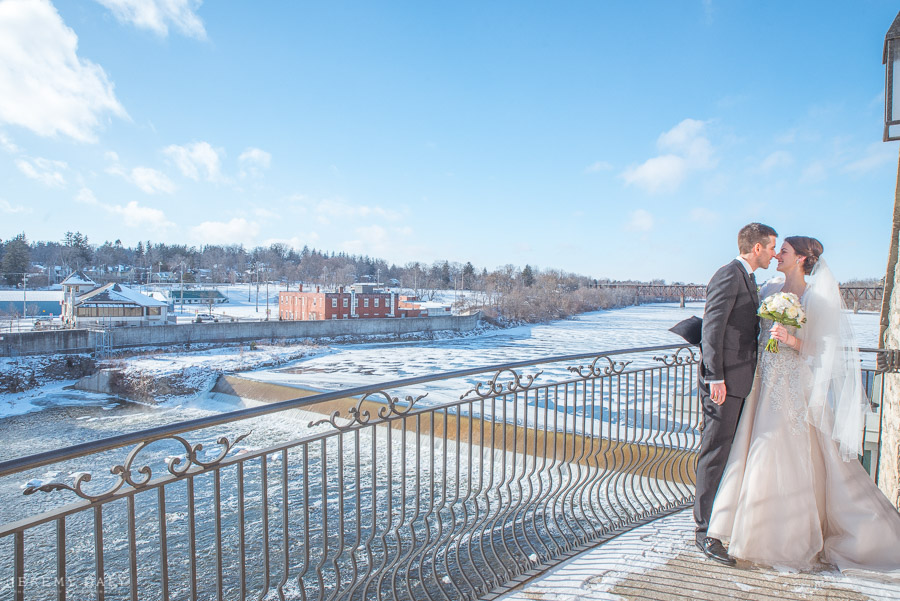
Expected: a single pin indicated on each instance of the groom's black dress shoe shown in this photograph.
(713, 548)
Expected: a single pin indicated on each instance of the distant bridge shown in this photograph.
(854, 296)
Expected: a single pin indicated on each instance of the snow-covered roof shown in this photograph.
(31, 295)
(116, 293)
(78, 279)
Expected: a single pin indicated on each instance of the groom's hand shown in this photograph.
(717, 393)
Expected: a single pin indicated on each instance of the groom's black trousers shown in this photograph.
(719, 425)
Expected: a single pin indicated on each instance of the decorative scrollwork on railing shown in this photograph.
(596, 371)
(678, 359)
(357, 416)
(495, 387)
(175, 465)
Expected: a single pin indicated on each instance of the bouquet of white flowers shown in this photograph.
(784, 308)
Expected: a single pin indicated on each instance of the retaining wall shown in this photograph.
(74, 341)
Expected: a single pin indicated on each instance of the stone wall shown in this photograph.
(71, 341)
(889, 464)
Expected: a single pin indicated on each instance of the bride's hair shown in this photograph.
(806, 247)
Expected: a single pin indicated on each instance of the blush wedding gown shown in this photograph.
(791, 495)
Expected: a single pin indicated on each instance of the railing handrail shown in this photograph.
(21, 464)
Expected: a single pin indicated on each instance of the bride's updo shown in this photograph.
(806, 247)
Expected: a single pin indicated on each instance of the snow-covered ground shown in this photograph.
(659, 561)
(196, 369)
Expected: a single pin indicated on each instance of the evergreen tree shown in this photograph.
(468, 274)
(527, 276)
(16, 260)
(78, 252)
(445, 274)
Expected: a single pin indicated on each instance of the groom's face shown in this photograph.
(766, 252)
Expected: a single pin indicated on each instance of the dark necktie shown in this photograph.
(754, 287)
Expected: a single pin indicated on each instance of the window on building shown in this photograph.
(345, 303)
(365, 302)
(377, 302)
(334, 302)
(334, 316)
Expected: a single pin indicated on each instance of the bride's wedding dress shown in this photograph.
(788, 497)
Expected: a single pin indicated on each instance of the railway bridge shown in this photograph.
(855, 297)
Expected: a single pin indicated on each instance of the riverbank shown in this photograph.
(153, 374)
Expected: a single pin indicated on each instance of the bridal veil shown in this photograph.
(837, 401)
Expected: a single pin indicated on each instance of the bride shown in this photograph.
(794, 493)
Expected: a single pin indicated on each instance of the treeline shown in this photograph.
(507, 292)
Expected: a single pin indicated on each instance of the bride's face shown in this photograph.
(788, 259)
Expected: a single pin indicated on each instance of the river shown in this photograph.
(64, 417)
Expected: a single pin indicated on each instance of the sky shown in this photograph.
(611, 139)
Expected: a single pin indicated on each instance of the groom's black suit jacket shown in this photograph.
(728, 345)
(730, 330)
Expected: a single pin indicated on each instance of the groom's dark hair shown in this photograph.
(752, 233)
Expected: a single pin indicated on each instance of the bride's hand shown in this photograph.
(780, 333)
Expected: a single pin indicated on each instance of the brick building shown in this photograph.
(360, 301)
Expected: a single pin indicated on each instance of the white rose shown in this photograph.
(792, 312)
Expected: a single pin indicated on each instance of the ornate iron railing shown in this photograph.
(390, 493)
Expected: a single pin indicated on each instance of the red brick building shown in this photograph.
(361, 301)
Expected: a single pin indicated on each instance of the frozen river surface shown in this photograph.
(67, 417)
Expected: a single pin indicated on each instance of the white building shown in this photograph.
(110, 305)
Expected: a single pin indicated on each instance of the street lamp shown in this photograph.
(891, 61)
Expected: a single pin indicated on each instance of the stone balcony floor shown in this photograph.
(659, 561)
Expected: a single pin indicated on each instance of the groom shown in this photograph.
(728, 347)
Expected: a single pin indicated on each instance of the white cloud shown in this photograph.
(196, 160)
(328, 209)
(148, 180)
(658, 173)
(217, 232)
(135, 215)
(684, 148)
(877, 155)
(132, 214)
(10, 209)
(151, 181)
(159, 15)
(8, 145)
(598, 166)
(640, 221)
(86, 196)
(46, 87)
(371, 239)
(45, 171)
(253, 161)
(779, 158)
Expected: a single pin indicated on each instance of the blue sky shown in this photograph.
(612, 139)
